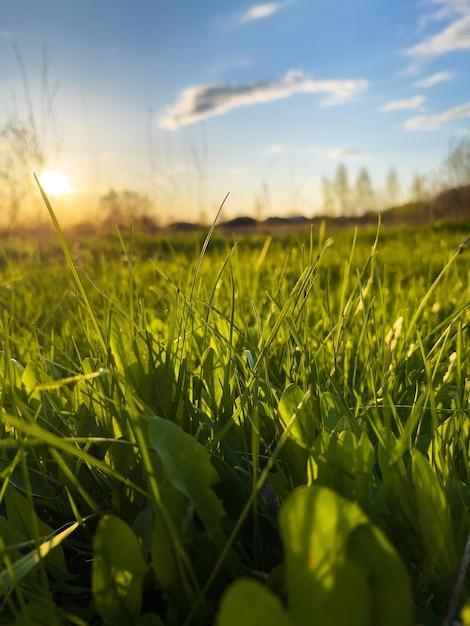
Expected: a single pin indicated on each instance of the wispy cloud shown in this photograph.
(434, 79)
(202, 101)
(344, 153)
(433, 122)
(260, 11)
(403, 105)
(455, 36)
(446, 10)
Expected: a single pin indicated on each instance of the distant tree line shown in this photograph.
(341, 197)
(122, 207)
(22, 151)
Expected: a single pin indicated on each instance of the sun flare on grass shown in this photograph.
(54, 183)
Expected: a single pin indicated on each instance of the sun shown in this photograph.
(54, 183)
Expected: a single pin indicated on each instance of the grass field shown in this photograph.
(273, 430)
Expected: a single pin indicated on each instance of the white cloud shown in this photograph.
(433, 122)
(455, 36)
(434, 79)
(202, 101)
(344, 153)
(403, 105)
(260, 11)
(448, 8)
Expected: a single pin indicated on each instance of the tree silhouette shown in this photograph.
(392, 188)
(328, 196)
(364, 191)
(20, 155)
(418, 188)
(457, 163)
(342, 190)
(123, 207)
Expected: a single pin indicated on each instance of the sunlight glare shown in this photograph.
(54, 183)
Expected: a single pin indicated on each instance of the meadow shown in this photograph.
(258, 430)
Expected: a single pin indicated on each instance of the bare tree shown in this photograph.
(342, 190)
(392, 188)
(21, 155)
(23, 143)
(122, 207)
(263, 202)
(419, 189)
(364, 192)
(328, 196)
(457, 164)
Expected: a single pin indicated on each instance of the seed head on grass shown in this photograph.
(463, 245)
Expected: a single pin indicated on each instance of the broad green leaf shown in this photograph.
(396, 502)
(143, 528)
(190, 474)
(30, 379)
(303, 430)
(385, 574)
(118, 572)
(11, 372)
(250, 603)
(169, 559)
(321, 582)
(434, 520)
(21, 515)
(335, 414)
(120, 343)
(188, 467)
(25, 564)
(213, 375)
(131, 354)
(396, 489)
(301, 433)
(327, 576)
(345, 463)
(13, 367)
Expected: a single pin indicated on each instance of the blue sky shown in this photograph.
(186, 101)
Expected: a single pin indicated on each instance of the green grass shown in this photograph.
(277, 426)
